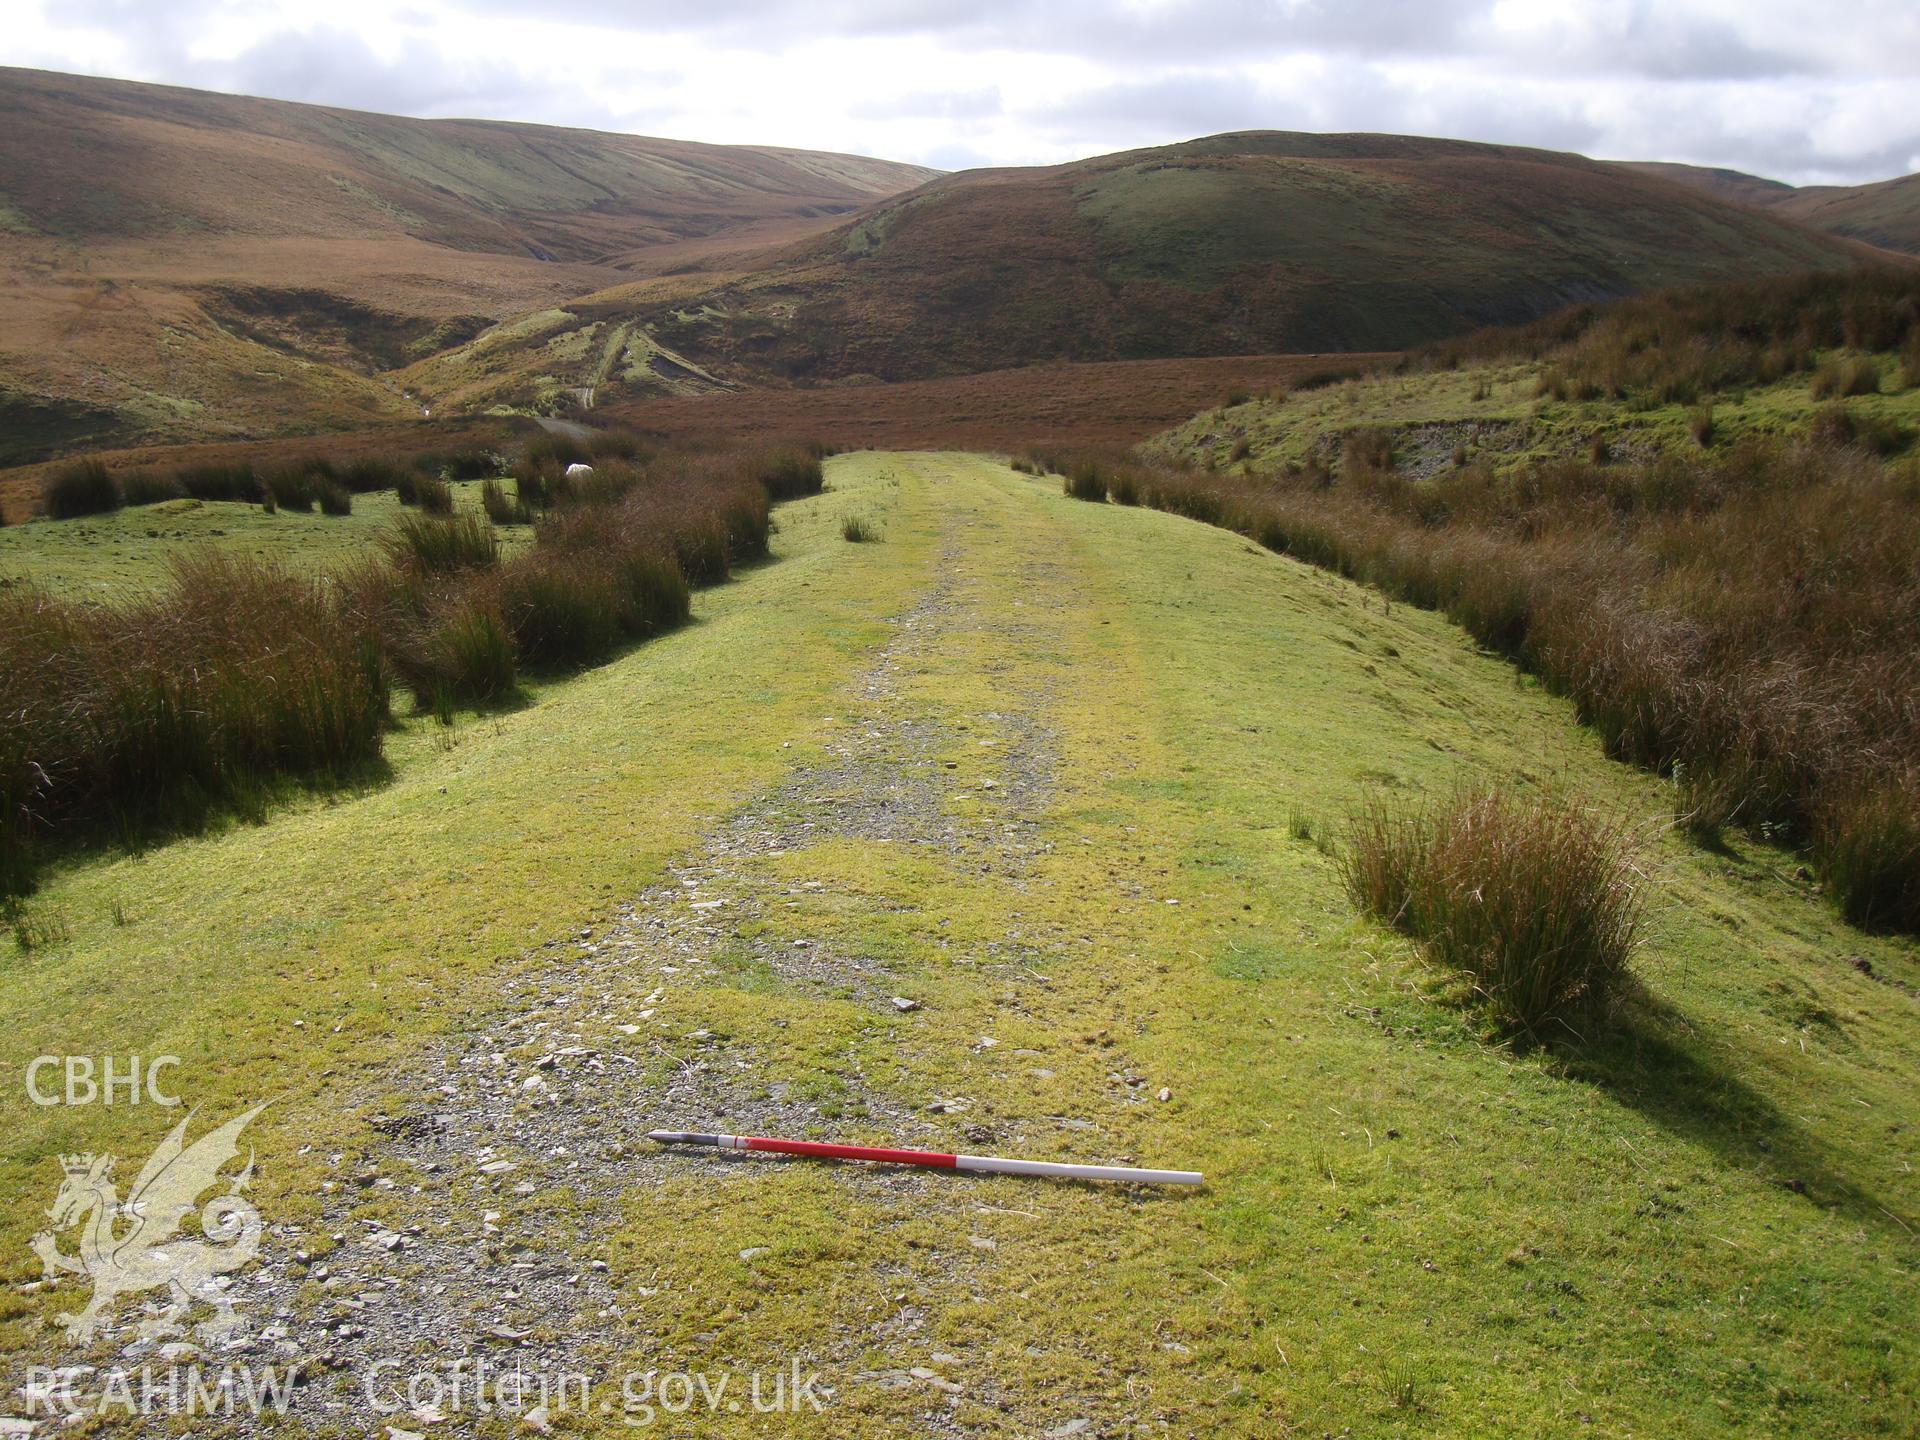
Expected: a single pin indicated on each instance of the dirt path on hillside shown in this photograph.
(572, 429)
(479, 1230)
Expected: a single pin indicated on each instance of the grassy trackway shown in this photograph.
(1406, 1228)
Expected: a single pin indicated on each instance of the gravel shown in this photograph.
(477, 1228)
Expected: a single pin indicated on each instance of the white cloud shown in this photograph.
(1764, 85)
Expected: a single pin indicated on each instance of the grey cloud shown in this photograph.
(955, 157)
(338, 68)
(1652, 41)
(1635, 37)
(1512, 121)
(1786, 152)
(334, 67)
(932, 105)
(1636, 79)
(1178, 32)
(1348, 96)
(1182, 106)
(1664, 46)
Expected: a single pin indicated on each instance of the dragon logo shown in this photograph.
(131, 1245)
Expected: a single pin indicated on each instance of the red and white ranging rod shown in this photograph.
(931, 1159)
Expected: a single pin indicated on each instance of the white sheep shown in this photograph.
(575, 471)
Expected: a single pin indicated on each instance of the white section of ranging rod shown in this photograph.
(929, 1159)
(993, 1165)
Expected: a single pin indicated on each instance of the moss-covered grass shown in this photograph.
(1499, 414)
(1696, 1224)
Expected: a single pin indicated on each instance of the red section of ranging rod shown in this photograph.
(932, 1159)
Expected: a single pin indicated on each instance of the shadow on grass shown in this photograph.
(179, 812)
(448, 715)
(1652, 1062)
(252, 801)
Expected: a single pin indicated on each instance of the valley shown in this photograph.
(244, 269)
(1236, 244)
(179, 264)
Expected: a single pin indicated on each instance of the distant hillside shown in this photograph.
(1257, 242)
(180, 262)
(1886, 213)
(1261, 242)
(85, 158)
(1734, 185)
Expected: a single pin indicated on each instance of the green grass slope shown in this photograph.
(1696, 1225)
(131, 550)
(1499, 413)
(1823, 358)
(1243, 243)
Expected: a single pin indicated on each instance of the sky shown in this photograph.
(1794, 91)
